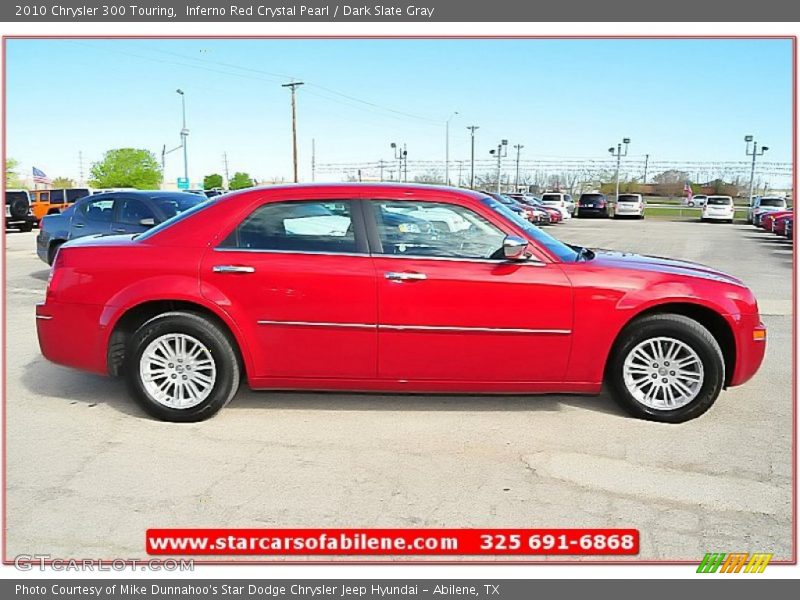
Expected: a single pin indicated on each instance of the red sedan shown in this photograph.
(345, 287)
(768, 221)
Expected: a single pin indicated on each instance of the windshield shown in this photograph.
(719, 201)
(773, 202)
(200, 205)
(558, 248)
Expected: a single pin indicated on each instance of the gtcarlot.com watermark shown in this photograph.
(42, 562)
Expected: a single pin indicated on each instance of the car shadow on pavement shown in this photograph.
(371, 401)
(42, 275)
(50, 381)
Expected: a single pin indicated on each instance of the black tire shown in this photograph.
(26, 227)
(19, 207)
(680, 328)
(219, 345)
(52, 251)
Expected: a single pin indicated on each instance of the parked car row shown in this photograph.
(761, 206)
(779, 222)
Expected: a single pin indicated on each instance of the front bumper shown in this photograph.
(751, 344)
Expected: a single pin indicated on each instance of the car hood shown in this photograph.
(623, 260)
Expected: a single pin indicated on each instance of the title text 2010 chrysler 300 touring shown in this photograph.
(390, 288)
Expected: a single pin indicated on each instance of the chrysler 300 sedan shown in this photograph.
(342, 287)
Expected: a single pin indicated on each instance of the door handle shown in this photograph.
(233, 269)
(394, 276)
(119, 230)
(77, 225)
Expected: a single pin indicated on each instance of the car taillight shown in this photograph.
(55, 275)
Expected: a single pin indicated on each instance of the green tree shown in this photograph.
(126, 167)
(63, 182)
(240, 180)
(13, 179)
(212, 181)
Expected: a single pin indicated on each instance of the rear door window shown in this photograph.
(298, 226)
(99, 211)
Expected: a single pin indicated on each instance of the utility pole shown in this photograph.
(80, 168)
(755, 152)
(518, 147)
(227, 174)
(646, 161)
(184, 136)
(402, 158)
(502, 152)
(619, 154)
(380, 165)
(313, 159)
(472, 129)
(460, 164)
(447, 148)
(293, 86)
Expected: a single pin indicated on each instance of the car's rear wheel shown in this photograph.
(666, 368)
(181, 367)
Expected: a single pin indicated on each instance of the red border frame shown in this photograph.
(792, 38)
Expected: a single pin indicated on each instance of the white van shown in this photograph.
(561, 201)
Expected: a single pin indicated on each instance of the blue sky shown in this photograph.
(683, 100)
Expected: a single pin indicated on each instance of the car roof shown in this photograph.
(359, 188)
(143, 194)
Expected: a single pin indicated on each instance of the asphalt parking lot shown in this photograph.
(88, 472)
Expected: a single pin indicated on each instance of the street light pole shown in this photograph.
(402, 157)
(184, 135)
(293, 86)
(516, 179)
(619, 154)
(755, 152)
(501, 151)
(472, 129)
(447, 148)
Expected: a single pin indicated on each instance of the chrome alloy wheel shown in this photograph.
(663, 373)
(177, 370)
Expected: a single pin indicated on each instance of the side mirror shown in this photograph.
(149, 222)
(514, 248)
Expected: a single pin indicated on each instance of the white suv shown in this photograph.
(563, 202)
(629, 205)
(764, 204)
(718, 208)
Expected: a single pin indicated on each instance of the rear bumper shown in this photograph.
(751, 344)
(70, 335)
(717, 217)
(591, 211)
(628, 210)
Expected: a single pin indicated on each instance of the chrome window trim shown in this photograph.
(534, 262)
(442, 328)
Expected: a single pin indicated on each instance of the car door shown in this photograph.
(132, 215)
(452, 309)
(298, 279)
(92, 217)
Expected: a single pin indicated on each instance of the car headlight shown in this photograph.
(409, 228)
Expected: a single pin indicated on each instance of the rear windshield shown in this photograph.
(719, 201)
(628, 198)
(773, 202)
(76, 194)
(11, 196)
(173, 205)
(178, 217)
(592, 197)
(551, 198)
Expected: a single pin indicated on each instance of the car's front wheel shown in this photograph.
(666, 368)
(181, 367)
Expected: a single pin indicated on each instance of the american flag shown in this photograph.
(40, 177)
(687, 189)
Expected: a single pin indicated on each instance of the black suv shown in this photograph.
(18, 210)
